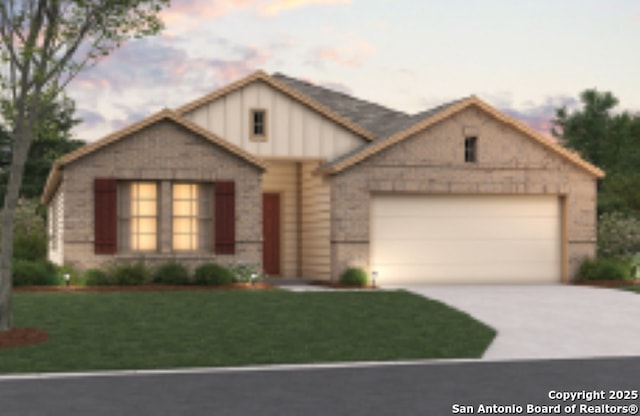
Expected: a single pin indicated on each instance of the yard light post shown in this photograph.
(67, 278)
(253, 278)
(374, 278)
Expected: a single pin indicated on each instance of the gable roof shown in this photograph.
(55, 176)
(427, 119)
(286, 89)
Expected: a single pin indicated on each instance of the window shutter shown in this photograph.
(225, 217)
(105, 216)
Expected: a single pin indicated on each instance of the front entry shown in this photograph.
(271, 233)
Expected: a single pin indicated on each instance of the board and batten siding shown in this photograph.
(293, 130)
(316, 217)
(282, 178)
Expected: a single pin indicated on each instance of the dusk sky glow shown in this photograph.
(524, 57)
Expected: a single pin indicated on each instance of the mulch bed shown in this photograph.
(338, 285)
(21, 337)
(144, 288)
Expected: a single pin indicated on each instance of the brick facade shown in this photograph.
(432, 162)
(163, 152)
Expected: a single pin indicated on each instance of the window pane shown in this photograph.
(183, 242)
(145, 242)
(146, 190)
(184, 208)
(184, 225)
(183, 191)
(145, 208)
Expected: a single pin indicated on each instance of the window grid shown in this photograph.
(144, 216)
(258, 124)
(470, 149)
(185, 217)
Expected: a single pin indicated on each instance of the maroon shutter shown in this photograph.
(105, 216)
(225, 221)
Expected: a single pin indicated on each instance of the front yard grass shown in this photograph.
(125, 330)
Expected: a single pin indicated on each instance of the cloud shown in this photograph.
(353, 54)
(185, 12)
(275, 7)
(539, 116)
(150, 74)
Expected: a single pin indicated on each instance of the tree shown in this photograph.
(600, 136)
(44, 44)
(51, 142)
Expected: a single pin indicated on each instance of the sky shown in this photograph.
(525, 57)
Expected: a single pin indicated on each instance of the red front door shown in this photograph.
(271, 233)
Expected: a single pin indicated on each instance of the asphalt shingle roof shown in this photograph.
(383, 122)
(370, 116)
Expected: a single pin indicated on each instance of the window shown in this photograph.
(258, 124)
(470, 149)
(192, 219)
(138, 216)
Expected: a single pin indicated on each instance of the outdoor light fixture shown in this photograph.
(374, 278)
(253, 278)
(67, 277)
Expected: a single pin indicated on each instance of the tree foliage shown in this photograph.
(44, 44)
(51, 142)
(609, 139)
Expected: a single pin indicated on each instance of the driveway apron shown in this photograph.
(550, 321)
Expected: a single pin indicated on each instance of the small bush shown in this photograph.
(29, 232)
(242, 272)
(129, 274)
(96, 277)
(354, 277)
(34, 273)
(605, 269)
(171, 273)
(212, 274)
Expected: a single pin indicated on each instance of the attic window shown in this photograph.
(471, 149)
(259, 124)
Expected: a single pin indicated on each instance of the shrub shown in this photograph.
(618, 235)
(96, 277)
(29, 232)
(128, 274)
(354, 276)
(605, 269)
(171, 273)
(242, 272)
(34, 273)
(212, 274)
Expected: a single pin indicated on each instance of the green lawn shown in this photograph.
(634, 288)
(124, 330)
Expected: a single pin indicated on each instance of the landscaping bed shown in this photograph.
(204, 328)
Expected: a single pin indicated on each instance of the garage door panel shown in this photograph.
(466, 239)
(417, 228)
(464, 206)
(473, 252)
(488, 274)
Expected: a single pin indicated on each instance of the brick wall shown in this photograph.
(432, 162)
(161, 152)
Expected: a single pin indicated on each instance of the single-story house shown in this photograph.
(306, 181)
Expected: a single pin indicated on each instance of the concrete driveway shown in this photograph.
(540, 322)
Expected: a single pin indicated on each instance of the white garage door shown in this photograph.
(465, 239)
